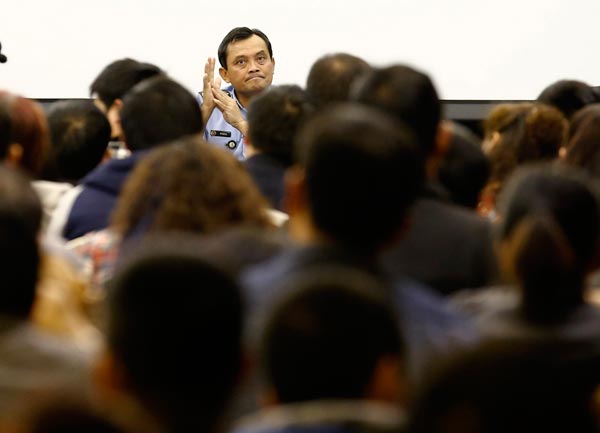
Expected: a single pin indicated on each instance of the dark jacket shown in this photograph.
(93, 206)
(445, 246)
(267, 173)
(429, 325)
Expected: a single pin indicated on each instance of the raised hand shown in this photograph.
(209, 81)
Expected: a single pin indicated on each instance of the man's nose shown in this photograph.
(253, 66)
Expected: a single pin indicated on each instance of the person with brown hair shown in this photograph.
(25, 131)
(516, 134)
(185, 186)
(583, 147)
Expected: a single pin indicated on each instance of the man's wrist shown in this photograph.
(243, 127)
(206, 112)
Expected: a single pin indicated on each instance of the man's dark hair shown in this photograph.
(159, 110)
(323, 341)
(331, 78)
(240, 34)
(464, 169)
(20, 219)
(119, 77)
(175, 324)
(511, 385)
(363, 170)
(274, 117)
(79, 134)
(568, 96)
(408, 95)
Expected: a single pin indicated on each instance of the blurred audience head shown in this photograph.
(334, 337)
(332, 76)
(24, 136)
(156, 111)
(358, 173)
(79, 135)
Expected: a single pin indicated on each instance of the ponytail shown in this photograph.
(538, 255)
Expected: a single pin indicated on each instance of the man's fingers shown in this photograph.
(220, 105)
(219, 94)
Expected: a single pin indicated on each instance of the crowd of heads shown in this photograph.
(362, 148)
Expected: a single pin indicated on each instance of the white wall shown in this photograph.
(474, 49)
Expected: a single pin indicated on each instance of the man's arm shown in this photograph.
(230, 109)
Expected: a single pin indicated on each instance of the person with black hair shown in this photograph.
(332, 357)
(568, 96)
(247, 65)
(156, 111)
(548, 244)
(446, 247)
(173, 338)
(109, 88)
(337, 217)
(79, 136)
(464, 169)
(274, 117)
(510, 385)
(31, 359)
(332, 77)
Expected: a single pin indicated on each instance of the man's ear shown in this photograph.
(224, 74)
(443, 137)
(388, 382)
(14, 155)
(108, 375)
(295, 190)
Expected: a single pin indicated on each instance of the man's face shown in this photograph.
(249, 66)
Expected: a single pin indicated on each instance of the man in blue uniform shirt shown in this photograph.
(247, 64)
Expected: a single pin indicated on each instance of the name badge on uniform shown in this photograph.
(216, 133)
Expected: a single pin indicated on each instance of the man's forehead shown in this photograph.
(247, 47)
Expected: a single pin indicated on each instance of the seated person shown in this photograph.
(332, 358)
(516, 134)
(247, 65)
(445, 246)
(331, 78)
(32, 359)
(79, 136)
(548, 245)
(338, 217)
(273, 120)
(568, 96)
(156, 111)
(512, 386)
(174, 352)
(464, 169)
(186, 185)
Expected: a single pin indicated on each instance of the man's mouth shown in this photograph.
(254, 77)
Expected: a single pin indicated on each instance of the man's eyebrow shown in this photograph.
(240, 56)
